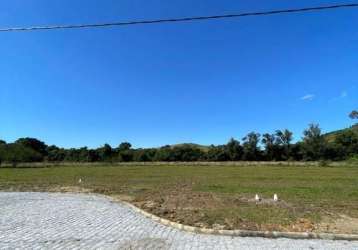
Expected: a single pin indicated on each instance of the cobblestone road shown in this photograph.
(76, 221)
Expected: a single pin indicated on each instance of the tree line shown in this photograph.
(275, 146)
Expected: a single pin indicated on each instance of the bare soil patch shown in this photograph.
(341, 224)
(209, 210)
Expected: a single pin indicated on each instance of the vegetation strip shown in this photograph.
(244, 233)
(278, 146)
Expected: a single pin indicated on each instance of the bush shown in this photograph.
(324, 163)
(353, 159)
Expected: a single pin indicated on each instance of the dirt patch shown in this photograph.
(302, 225)
(209, 210)
(179, 204)
(342, 224)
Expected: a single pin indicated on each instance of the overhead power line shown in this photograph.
(184, 19)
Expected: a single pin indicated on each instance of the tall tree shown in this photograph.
(34, 144)
(105, 152)
(124, 146)
(313, 143)
(284, 138)
(234, 150)
(269, 142)
(251, 149)
(125, 153)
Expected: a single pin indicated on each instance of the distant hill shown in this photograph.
(194, 145)
(332, 135)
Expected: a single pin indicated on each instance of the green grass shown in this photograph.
(310, 191)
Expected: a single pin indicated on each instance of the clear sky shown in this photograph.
(201, 82)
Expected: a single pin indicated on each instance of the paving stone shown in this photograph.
(77, 221)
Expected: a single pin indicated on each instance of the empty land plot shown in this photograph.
(318, 199)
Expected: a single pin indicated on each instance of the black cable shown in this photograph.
(184, 19)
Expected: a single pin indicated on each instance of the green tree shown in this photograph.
(92, 156)
(185, 153)
(55, 154)
(234, 150)
(217, 153)
(251, 149)
(284, 138)
(163, 153)
(296, 152)
(348, 141)
(313, 145)
(269, 141)
(334, 152)
(125, 153)
(15, 153)
(105, 152)
(83, 154)
(124, 146)
(34, 144)
(1, 154)
(144, 155)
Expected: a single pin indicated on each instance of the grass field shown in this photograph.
(311, 198)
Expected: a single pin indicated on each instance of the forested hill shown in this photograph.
(331, 136)
(277, 146)
(193, 145)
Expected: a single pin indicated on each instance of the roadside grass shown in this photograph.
(211, 196)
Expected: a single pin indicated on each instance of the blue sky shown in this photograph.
(201, 82)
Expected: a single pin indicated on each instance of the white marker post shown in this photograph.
(275, 197)
(257, 198)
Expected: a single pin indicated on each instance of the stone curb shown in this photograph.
(245, 233)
